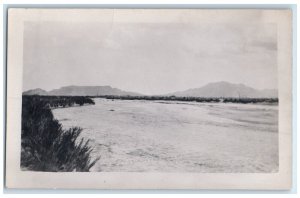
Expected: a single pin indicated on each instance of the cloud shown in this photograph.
(265, 45)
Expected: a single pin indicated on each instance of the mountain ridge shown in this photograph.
(216, 89)
(226, 89)
(74, 90)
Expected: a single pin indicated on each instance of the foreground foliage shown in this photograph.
(45, 145)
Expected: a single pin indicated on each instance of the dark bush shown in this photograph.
(45, 145)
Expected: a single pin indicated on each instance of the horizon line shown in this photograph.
(137, 92)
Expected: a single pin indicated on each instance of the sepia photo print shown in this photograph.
(153, 92)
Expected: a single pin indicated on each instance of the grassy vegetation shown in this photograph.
(195, 99)
(45, 146)
(61, 101)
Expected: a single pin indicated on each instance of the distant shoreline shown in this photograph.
(195, 99)
(183, 99)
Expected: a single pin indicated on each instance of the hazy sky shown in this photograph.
(150, 58)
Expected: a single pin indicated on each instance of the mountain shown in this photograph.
(89, 91)
(37, 91)
(217, 89)
(226, 89)
(82, 91)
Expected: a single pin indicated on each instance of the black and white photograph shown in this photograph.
(151, 91)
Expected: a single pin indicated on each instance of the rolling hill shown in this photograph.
(37, 91)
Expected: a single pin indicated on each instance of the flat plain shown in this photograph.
(172, 136)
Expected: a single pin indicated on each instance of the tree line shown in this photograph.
(193, 99)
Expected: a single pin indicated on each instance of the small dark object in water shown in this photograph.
(112, 110)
